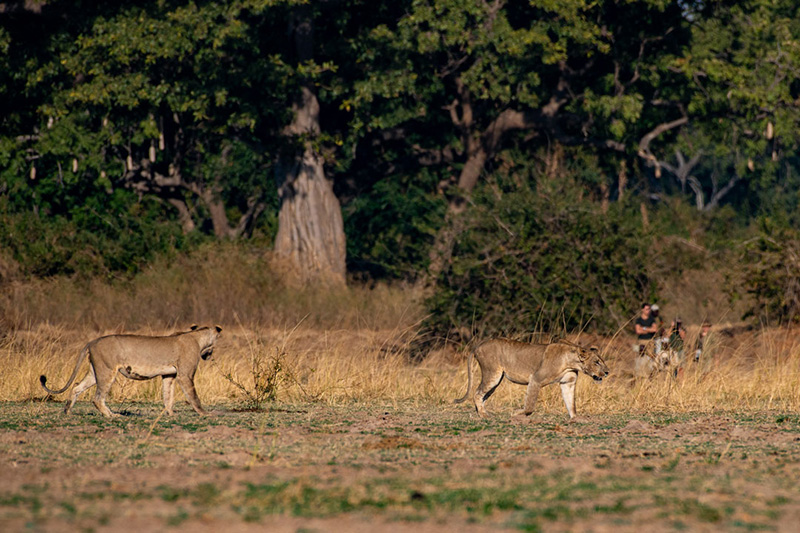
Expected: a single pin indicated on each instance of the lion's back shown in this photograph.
(513, 355)
(138, 349)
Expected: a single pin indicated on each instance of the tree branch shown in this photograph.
(644, 143)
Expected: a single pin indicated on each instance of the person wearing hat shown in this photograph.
(645, 328)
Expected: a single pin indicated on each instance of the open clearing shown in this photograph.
(400, 467)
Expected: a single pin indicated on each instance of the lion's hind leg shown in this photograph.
(105, 379)
(490, 380)
(168, 390)
(531, 395)
(88, 381)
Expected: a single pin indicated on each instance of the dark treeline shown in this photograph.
(537, 163)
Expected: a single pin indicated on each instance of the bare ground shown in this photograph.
(315, 467)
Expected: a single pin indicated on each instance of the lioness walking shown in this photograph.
(140, 357)
(534, 365)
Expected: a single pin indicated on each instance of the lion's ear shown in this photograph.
(193, 327)
(219, 328)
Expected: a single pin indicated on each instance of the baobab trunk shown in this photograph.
(310, 239)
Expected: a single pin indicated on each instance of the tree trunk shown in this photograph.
(184, 215)
(219, 219)
(468, 178)
(310, 239)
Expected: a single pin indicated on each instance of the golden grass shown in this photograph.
(222, 283)
(343, 345)
(341, 366)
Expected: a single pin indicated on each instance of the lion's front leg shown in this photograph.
(187, 386)
(568, 392)
(531, 396)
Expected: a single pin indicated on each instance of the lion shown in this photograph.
(141, 357)
(534, 365)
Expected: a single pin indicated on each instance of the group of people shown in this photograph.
(649, 328)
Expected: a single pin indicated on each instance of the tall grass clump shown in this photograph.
(211, 285)
(26, 354)
(266, 370)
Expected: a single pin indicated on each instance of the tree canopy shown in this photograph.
(433, 140)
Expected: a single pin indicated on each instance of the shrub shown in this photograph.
(771, 275)
(266, 374)
(90, 240)
(524, 262)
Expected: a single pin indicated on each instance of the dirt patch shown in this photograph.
(421, 468)
(637, 426)
(389, 443)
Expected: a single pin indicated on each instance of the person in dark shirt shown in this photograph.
(677, 334)
(645, 328)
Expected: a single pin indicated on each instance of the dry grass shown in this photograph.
(760, 371)
(347, 345)
(220, 284)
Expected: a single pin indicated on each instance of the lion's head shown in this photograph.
(592, 364)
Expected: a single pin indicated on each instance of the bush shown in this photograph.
(524, 263)
(771, 275)
(91, 240)
(391, 227)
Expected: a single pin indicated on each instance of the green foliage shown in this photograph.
(200, 94)
(525, 262)
(741, 65)
(771, 275)
(391, 227)
(89, 241)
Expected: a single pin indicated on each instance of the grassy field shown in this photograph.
(353, 436)
(323, 422)
(400, 467)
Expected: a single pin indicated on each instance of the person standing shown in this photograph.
(660, 335)
(677, 336)
(701, 338)
(645, 328)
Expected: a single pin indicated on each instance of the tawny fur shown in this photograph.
(534, 365)
(174, 358)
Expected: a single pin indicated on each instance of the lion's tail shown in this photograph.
(81, 357)
(469, 377)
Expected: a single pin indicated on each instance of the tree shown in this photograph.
(311, 231)
(739, 117)
(163, 98)
(461, 79)
(194, 105)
